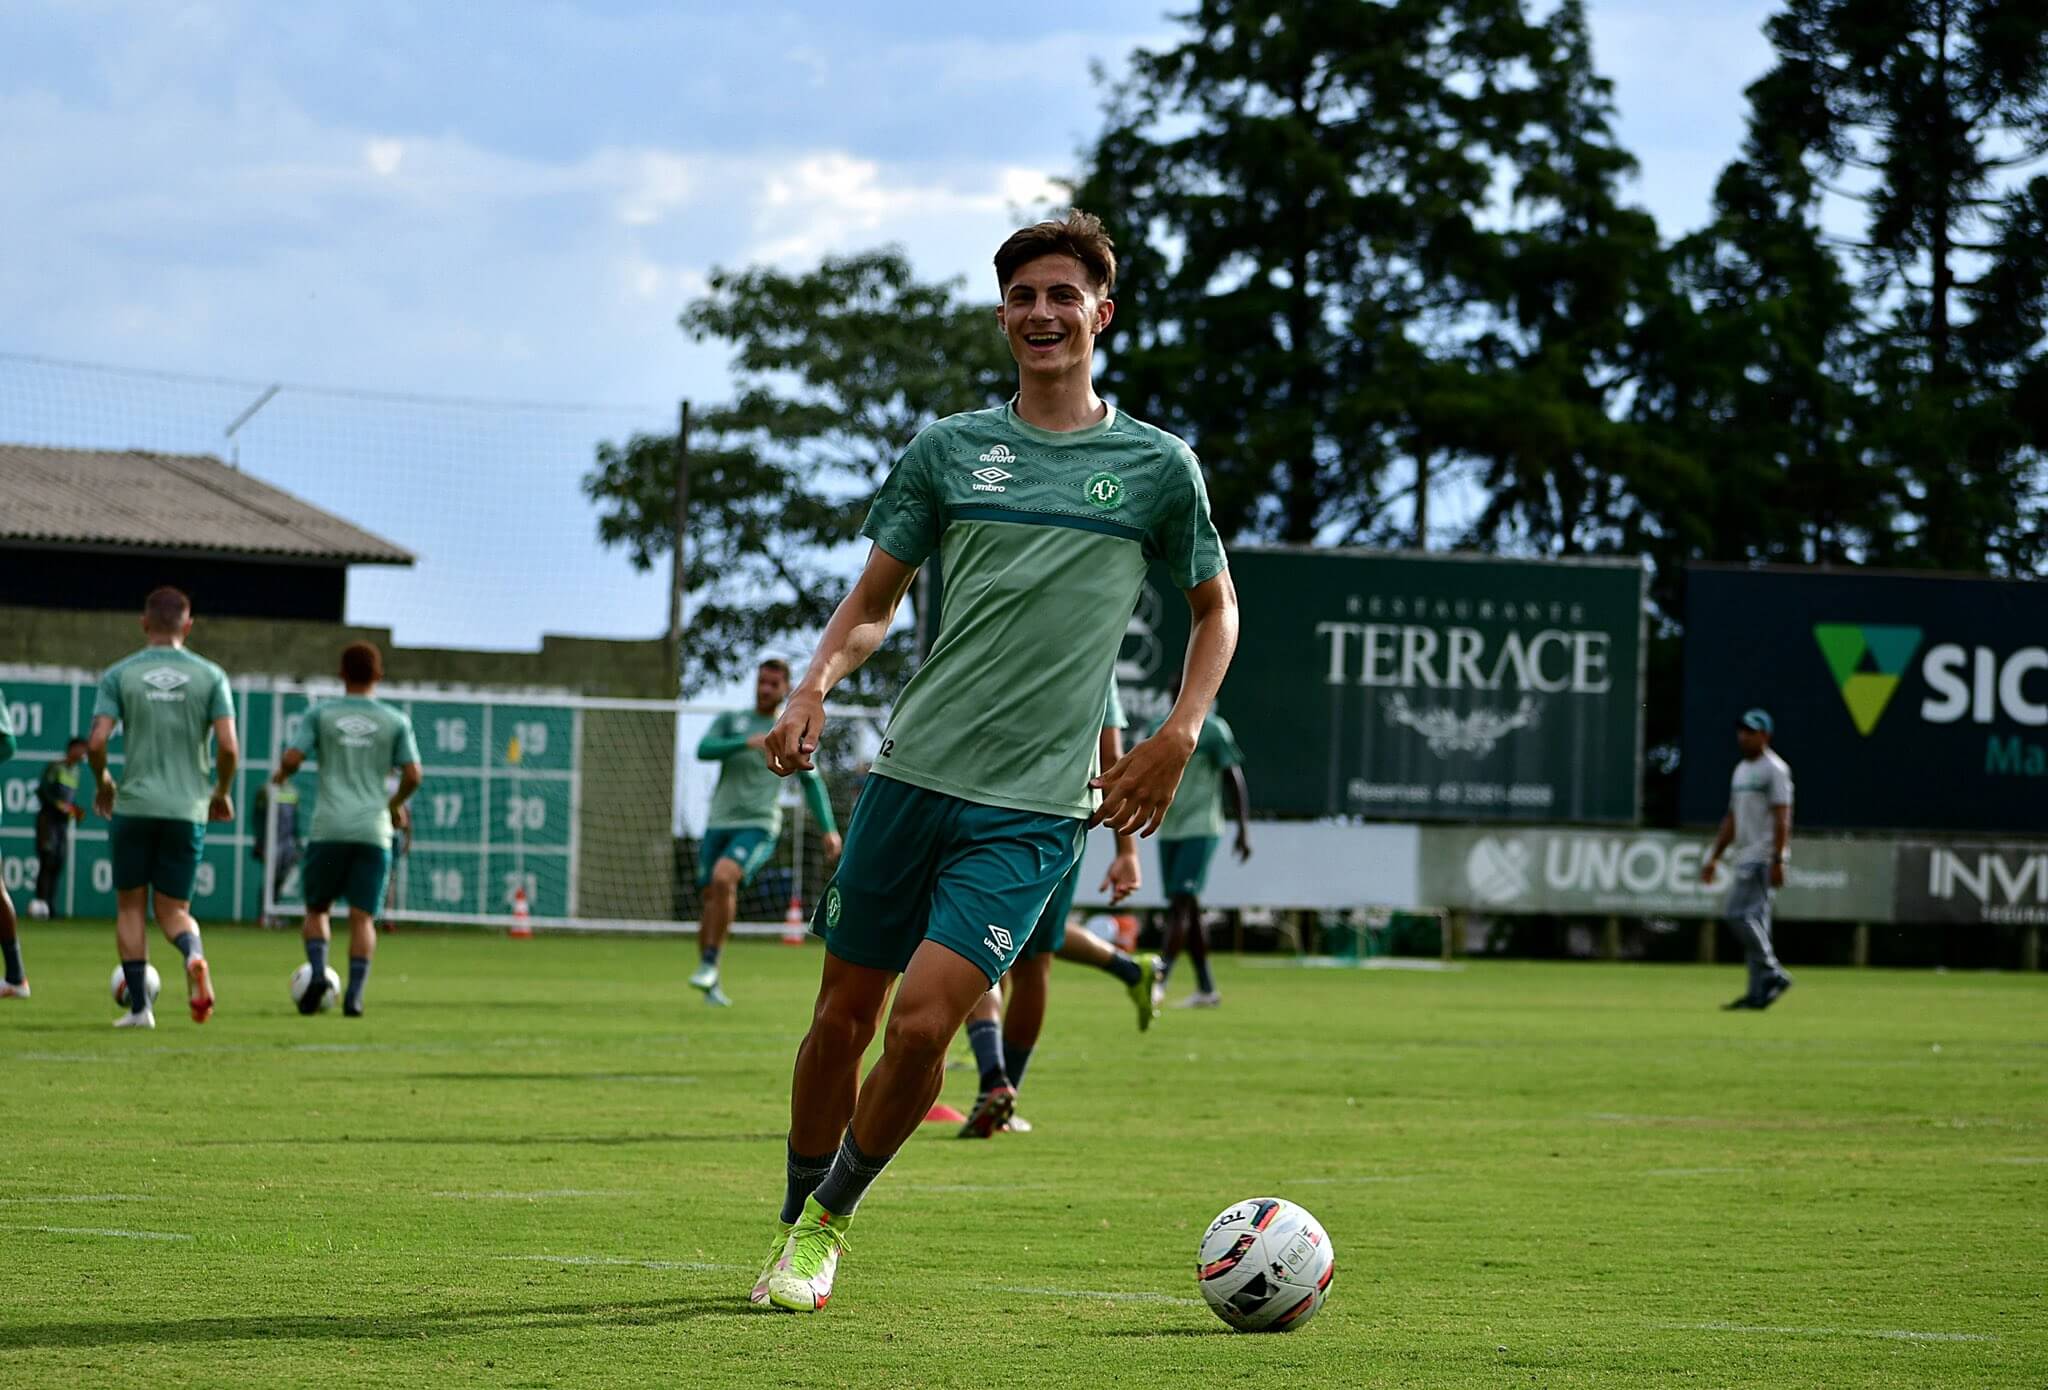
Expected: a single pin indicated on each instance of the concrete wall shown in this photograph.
(298, 650)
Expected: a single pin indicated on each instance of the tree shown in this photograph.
(1300, 187)
(838, 368)
(1924, 113)
(1557, 358)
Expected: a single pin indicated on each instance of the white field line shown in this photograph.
(2023, 1161)
(615, 1260)
(1103, 1295)
(1889, 1334)
(87, 1197)
(1088, 1295)
(545, 1195)
(1690, 1172)
(101, 1231)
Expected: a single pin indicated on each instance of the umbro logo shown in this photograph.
(998, 940)
(164, 678)
(356, 724)
(992, 478)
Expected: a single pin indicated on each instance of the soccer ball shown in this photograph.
(150, 979)
(38, 910)
(303, 976)
(1265, 1265)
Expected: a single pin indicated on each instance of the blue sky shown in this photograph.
(515, 201)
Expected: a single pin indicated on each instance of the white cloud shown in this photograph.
(384, 156)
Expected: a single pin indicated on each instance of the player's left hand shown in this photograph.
(794, 739)
(833, 845)
(1123, 879)
(222, 807)
(1138, 787)
(103, 799)
(1777, 875)
(401, 818)
(1244, 846)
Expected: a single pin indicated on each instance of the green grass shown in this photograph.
(546, 1164)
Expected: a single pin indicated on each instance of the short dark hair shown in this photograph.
(76, 742)
(1079, 234)
(166, 609)
(362, 663)
(776, 663)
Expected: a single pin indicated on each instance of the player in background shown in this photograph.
(1048, 510)
(279, 854)
(1003, 1033)
(57, 809)
(168, 702)
(745, 818)
(1759, 825)
(1187, 842)
(15, 985)
(355, 741)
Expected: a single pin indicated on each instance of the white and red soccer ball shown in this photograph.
(1265, 1265)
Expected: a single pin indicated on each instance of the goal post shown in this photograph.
(581, 806)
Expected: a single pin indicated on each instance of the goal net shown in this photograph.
(561, 812)
(587, 812)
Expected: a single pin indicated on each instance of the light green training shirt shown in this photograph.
(166, 699)
(356, 740)
(748, 796)
(1197, 810)
(1044, 538)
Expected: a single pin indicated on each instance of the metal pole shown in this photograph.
(244, 418)
(677, 582)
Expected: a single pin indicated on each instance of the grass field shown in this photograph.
(547, 1164)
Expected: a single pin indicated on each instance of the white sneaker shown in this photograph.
(145, 1019)
(1201, 999)
(8, 991)
(39, 910)
(705, 979)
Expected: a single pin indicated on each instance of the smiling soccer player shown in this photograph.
(1047, 511)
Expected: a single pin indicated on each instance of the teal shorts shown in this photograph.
(1051, 932)
(748, 846)
(921, 865)
(1184, 865)
(151, 852)
(336, 869)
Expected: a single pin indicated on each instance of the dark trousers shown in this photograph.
(52, 843)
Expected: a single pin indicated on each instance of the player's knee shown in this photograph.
(725, 879)
(920, 1035)
(839, 1023)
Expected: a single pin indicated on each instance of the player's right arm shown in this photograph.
(106, 713)
(719, 741)
(858, 626)
(1722, 838)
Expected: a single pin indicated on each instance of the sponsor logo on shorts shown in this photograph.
(832, 906)
(998, 941)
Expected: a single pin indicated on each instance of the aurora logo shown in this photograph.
(1867, 661)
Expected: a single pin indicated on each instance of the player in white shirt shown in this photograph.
(1759, 825)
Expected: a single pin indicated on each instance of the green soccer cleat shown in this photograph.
(1147, 988)
(760, 1292)
(705, 979)
(801, 1280)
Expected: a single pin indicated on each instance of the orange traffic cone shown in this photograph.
(1126, 931)
(793, 923)
(522, 924)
